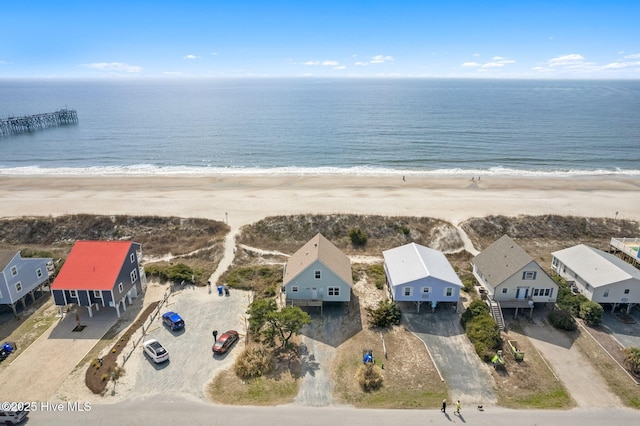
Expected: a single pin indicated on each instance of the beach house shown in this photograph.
(420, 274)
(512, 278)
(317, 273)
(601, 277)
(21, 276)
(100, 274)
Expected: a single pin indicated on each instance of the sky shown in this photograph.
(72, 39)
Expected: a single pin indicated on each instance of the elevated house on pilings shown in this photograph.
(627, 248)
(512, 278)
(601, 277)
(21, 277)
(100, 274)
(420, 275)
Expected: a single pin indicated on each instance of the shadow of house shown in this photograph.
(336, 324)
(21, 277)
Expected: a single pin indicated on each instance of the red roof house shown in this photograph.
(100, 273)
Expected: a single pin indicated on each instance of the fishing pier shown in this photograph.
(14, 125)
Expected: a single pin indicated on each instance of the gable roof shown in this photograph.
(319, 248)
(412, 262)
(5, 257)
(92, 265)
(501, 260)
(596, 267)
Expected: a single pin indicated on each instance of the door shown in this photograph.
(522, 293)
(314, 293)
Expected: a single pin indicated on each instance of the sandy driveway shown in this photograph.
(584, 383)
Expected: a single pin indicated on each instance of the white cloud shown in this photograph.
(330, 63)
(312, 63)
(475, 55)
(633, 56)
(334, 64)
(340, 67)
(571, 59)
(471, 64)
(496, 62)
(379, 59)
(616, 65)
(362, 64)
(192, 57)
(112, 66)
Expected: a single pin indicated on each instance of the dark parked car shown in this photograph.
(224, 342)
(173, 320)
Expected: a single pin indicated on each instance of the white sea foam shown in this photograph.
(151, 170)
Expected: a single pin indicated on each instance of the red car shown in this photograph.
(224, 342)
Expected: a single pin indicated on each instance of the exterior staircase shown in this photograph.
(496, 313)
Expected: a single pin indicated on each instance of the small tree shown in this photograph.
(385, 314)
(284, 324)
(632, 359)
(560, 318)
(258, 311)
(358, 237)
(591, 312)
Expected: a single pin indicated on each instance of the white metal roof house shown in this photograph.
(512, 277)
(21, 276)
(318, 272)
(602, 277)
(420, 274)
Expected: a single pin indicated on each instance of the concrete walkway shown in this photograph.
(584, 383)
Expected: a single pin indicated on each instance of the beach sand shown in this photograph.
(245, 199)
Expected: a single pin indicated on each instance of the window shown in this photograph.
(294, 289)
(97, 294)
(448, 291)
(407, 291)
(554, 262)
(529, 275)
(120, 288)
(14, 271)
(626, 291)
(334, 291)
(426, 290)
(39, 273)
(134, 276)
(317, 274)
(133, 258)
(505, 290)
(18, 286)
(548, 292)
(535, 292)
(606, 293)
(73, 293)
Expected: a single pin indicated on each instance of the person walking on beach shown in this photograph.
(458, 407)
(444, 406)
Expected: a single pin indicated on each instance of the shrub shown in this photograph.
(369, 377)
(378, 275)
(591, 312)
(358, 237)
(254, 361)
(385, 314)
(484, 329)
(561, 318)
(632, 360)
(475, 308)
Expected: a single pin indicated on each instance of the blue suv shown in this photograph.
(173, 321)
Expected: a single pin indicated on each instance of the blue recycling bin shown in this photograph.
(220, 289)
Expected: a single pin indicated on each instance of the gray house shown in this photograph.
(420, 274)
(511, 277)
(318, 272)
(601, 277)
(100, 274)
(21, 276)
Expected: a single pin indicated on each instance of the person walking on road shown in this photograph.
(444, 406)
(458, 407)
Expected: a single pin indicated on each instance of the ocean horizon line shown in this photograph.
(153, 170)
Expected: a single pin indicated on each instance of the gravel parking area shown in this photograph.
(627, 334)
(191, 364)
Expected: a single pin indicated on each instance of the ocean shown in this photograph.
(316, 126)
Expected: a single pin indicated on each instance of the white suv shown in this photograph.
(12, 417)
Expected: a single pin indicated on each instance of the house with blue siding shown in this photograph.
(21, 276)
(318, 272)
(420, 274)
(100, 274)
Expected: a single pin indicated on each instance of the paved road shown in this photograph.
(467, 377)
(171, 409)
(584, 383)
